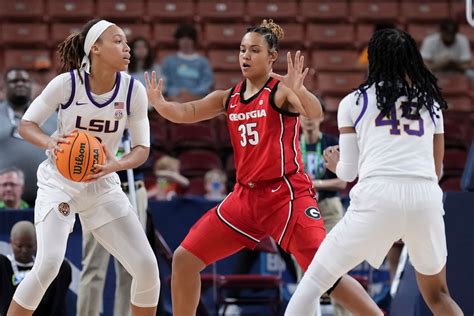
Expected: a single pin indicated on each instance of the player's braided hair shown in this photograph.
(71, 50)
(396, 68)
(270, 31)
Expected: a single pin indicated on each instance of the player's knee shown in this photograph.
(147, 269)
(48, 269)
(185, 261)
(436, 295)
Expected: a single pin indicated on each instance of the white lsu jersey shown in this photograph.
(401, 145)
(105, 116)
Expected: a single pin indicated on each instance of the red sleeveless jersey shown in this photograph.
(265, 138)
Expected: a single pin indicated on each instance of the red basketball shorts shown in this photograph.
(284, 209)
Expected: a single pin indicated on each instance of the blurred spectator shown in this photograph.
(313, 142)
(188, 74)
(215, 185)
(20, 153)
(41, 75)
(12, 183)
(142, 59)
(448, 50)
(168, 179)
(13, 269)
(363, 60)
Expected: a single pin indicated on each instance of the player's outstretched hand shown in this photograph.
(331, 157)
(294, 79)
(111, 165)
(154, 90)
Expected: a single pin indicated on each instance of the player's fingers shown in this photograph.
(160, 85)
(153, 79)
(147, 80)
(305, 72)
(290, 62)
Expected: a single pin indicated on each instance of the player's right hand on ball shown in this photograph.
(54, 144)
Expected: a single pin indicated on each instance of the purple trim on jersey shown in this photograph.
(364, 108)
(73, 91)
(129, 94)
(88, 90)
(432, 114)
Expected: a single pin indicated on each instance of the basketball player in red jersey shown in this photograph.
(273, 195)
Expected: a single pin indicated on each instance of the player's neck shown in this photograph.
(102, 81)
(254, 85)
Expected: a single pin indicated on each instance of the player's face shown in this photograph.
(24, 247)
(255, 58)
(112, 49)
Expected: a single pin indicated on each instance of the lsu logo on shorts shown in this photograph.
(313, 212)
(64, 208)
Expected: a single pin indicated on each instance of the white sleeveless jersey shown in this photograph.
(105, 120)
(105, 116)
(399, 146)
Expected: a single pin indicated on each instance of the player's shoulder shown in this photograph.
(351, 98)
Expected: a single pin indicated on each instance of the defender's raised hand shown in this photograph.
(296, 74)
(154, 90)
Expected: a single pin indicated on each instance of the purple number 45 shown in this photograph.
(407, 109)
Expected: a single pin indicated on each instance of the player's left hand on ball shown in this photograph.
(111, 165)
(331, 157)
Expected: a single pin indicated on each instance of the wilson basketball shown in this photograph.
(79, 156)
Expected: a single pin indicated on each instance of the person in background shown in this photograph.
(142, 58)
(41, 75)
(12, 184)
(13, 268)
(187, 74)
(20, 154)
(313, 143)
(214, 184)
(168, 179)
(447, 50)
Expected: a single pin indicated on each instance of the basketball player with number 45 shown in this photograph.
(392, 138)
(273, 195)
(98, 97)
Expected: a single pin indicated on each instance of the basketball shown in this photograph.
(79, 156)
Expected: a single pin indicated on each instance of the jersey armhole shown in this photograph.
(73, 91)
(228, 98)
(129, 94)
(271, 99)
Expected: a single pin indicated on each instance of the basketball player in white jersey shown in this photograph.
(392, 138)
(98, 97)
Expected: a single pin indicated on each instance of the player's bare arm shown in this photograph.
(31, 132)
(300, 100)
(438, 153)
(190, 112)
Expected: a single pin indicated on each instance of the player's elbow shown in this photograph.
(346, 171)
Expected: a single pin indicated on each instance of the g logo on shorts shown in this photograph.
(64, 208)
(313, 212)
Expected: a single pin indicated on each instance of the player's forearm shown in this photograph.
(134, 158)
(330, 184)
(310, 103)
(31, 132)
(179, 112)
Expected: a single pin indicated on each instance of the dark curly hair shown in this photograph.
(396, 68)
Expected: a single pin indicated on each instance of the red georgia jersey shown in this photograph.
(265, 138)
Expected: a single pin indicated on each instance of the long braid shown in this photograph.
(394, 58)
(71, 50)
